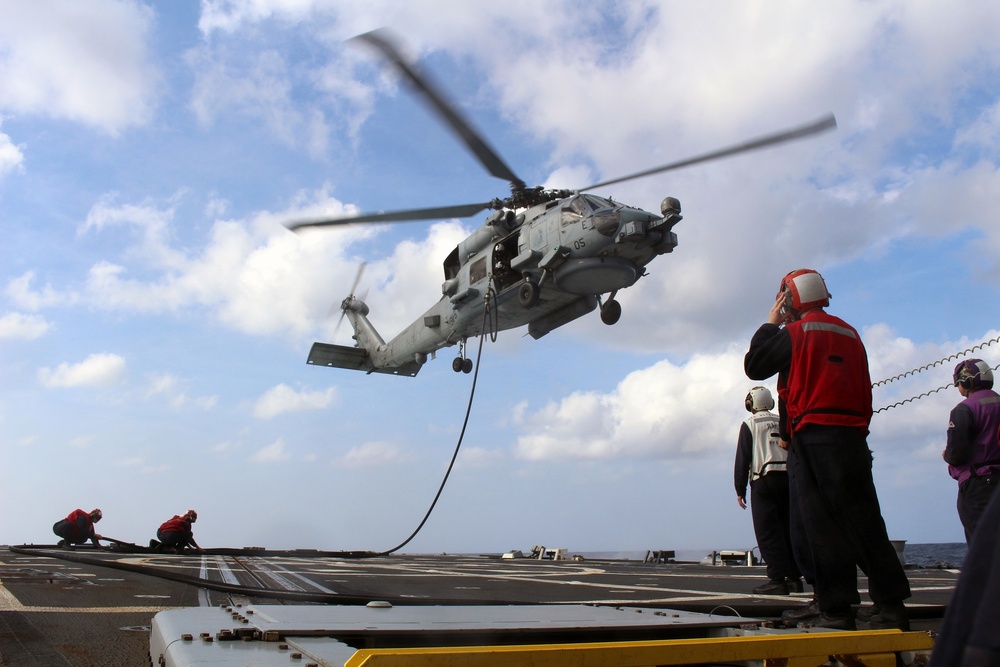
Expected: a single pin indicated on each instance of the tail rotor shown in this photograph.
(346, 303)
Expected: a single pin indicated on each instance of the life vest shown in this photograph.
(74, 518)
(827, 381)
(985, 455)
(175, 525)
(767, 455)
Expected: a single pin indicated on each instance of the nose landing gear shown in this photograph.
(611, 310)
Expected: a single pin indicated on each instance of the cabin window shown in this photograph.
(451, 265)
(477, 270)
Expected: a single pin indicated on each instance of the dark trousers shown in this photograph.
(973, 497)
(176, 540)
(67, 530)
(797, 529)
(771, 524)
(969, 631)
(842, 519)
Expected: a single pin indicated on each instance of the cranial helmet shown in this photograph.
(96, 514)
(759, 398)
(973, 374)
(804, 289)
(191, 514)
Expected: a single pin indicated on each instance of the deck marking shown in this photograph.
(8, 601)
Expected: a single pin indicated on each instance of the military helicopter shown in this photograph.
(542, 258)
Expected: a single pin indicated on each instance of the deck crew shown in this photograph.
(176, 533)
(78, 528)
(824, 409)
(972, 452)
(762, 462)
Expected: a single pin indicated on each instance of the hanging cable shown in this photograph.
(952, 357)
(923, 395)
(461, 435)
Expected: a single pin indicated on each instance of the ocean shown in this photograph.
(941, 554)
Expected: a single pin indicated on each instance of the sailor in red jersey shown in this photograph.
(824, 410)
(176, 533)
(78, 527)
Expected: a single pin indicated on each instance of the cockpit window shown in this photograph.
(575, 209)
(597, 203)
(602, 213)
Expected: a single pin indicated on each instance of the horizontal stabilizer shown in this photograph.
(355, 359)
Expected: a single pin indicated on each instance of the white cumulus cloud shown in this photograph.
(83, 61)
(282, 398)
(97, 370)
(276, 452)
(19, 325)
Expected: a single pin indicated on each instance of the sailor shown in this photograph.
(176, 533)
(761, 461)
(972, 452)
(824, 409)
(968, 633)
(78, 527)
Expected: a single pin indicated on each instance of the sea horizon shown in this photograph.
(929, 554)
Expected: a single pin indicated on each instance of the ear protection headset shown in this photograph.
(973, 374)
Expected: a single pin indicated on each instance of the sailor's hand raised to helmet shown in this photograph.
(775, 315)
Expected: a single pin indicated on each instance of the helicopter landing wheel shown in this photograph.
(467, 366)
(527, 294)
(611, 312)
(457, 364)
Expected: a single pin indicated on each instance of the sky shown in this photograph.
(156, 315)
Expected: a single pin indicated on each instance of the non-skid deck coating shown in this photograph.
(87, 607)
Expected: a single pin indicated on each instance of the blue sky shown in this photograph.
(155, 315)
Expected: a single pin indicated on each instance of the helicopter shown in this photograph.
(542, 258)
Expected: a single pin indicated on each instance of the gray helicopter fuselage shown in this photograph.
(566, 253)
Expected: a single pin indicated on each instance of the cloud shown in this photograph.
(97, 370)
(693, 410)
(166, 384)
(21, 326)
(139, 464)
(57, 53)
(21, 292)
(282, 398)
(11, 157)
(661, 412)
(371, 454)
(276, 452)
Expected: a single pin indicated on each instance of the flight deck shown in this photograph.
(92, 607)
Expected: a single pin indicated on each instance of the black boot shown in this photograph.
(890, 616)
(800, 614)
(778, 587)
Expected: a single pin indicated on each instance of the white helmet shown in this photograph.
(759, 398)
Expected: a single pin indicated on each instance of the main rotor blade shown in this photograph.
(382, 40)
(826, 123)
(459, 211)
